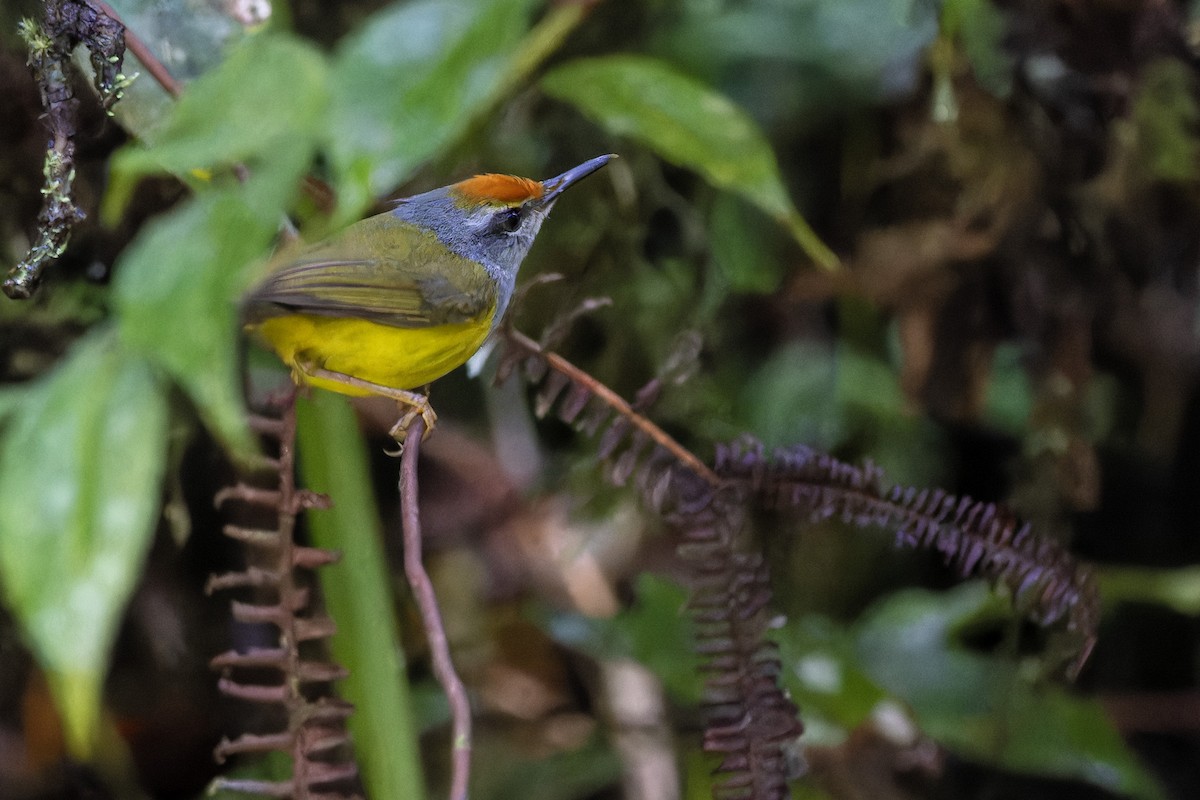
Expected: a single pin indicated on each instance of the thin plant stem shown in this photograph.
(435, 630)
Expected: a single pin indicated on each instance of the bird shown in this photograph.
(397, 300)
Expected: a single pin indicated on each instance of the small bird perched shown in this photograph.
(399, 299)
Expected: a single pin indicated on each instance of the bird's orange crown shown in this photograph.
(499, 189)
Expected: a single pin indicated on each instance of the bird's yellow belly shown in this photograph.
(400, 358)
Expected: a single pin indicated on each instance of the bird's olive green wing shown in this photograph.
(382, 270)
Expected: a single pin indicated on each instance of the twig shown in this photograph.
(619, 405)
(418, 579)
(139, 48)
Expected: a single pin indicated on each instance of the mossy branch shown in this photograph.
(66, 24)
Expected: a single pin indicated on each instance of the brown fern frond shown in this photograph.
(977, 538)
(751, 721)
(636, 449)
(315, 734)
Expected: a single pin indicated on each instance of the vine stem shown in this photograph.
(435, 630)
(618, 404)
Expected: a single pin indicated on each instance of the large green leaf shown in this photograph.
(80, 474)
(411, 81)
(271, 89)
(177, 285)
(687, 123)
(176, 295)
(739, 249)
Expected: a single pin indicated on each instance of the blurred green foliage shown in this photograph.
(788, 61)
(997, 710)
(1166, 115)
(718, 111)
(653, 631)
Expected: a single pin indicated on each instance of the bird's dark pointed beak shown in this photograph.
(553, 187)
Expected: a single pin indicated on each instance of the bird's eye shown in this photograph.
(507, 221)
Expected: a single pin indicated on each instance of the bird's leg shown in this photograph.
(416, 403)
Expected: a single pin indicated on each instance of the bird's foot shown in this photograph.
(418, 406)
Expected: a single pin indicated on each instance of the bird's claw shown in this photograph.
(419, 407)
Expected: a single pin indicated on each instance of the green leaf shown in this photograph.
(262, 110)
(905, 644)
(982, 28)
(739, 248)
(12, 397)
(1166, 115)
(80, 473)
(411, 81)
(271, 89)
(357, 592)
(687, 123)
(177, 285)
(987, 708)
(1177, 589)
(792, 397)
(823, 675)
(1009, 398)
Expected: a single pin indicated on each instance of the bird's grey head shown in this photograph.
(492, 219)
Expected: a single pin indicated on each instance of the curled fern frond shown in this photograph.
(975, 537)
(315, 733)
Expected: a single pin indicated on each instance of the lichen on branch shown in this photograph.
(65, 25)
